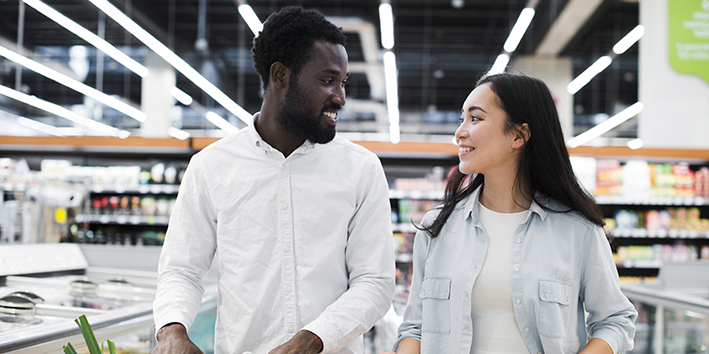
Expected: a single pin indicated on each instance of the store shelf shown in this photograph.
(640, 264)
(669, 201)
(122, 219)
(136, 189)
(404, 228)
(674, 234)
(415, 194)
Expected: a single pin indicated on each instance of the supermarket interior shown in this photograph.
(104, 102)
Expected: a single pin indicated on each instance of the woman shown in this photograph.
(517, 252)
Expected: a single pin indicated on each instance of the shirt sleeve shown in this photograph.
(411, 326)
(187, 252)
(611, 315)
(370, 264)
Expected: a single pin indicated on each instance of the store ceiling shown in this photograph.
(441, 49)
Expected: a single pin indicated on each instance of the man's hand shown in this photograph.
(173, 339)
(304, 342)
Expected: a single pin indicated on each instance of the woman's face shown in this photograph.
(484, 146)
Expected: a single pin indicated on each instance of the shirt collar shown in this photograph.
(472, 206)
(261, 144)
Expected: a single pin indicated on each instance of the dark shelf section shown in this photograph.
(638, 272)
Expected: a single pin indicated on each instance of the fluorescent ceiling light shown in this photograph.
(605, 126)
(48, 129)
(33, 124)
(177, 133)
(249, 16)
(181, 96)
(174, 60)
(629, 39)
(63, 112)
(588, 74)
(386, 25)
(73, 84)
(392, 94)
(500, 64)
(89, 36)
(635, 144)
(520, 27)
(220, 122)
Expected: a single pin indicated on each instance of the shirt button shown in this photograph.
(284, 206)
(288, 288)
(516, 269)
(483, 240)
(526, 329)
(476, 267)
(546, 294)
(466, 327)
(567, 298)
(518, 301)
(286, 249)
(291, 329)
(519, 240)
(283, 167)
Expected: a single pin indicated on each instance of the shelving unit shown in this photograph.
(395, 158)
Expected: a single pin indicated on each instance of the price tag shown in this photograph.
(135, 219)
(104, 219)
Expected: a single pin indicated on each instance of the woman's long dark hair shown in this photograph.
(544, 165)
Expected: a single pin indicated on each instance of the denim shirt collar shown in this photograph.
(472, 206)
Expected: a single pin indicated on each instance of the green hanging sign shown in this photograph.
(689, 37)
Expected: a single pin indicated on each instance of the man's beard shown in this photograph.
(295, 118)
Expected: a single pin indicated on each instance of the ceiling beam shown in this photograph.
(571, 19)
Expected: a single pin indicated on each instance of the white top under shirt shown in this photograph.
(303, 242)
(495, 329)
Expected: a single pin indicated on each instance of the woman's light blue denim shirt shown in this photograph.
(561, 264)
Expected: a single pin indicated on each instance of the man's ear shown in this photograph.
(279, 75)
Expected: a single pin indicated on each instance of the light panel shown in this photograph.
(500, 64)
(386, 25)
(580, 81)
(180, 65)
(177, 133)
(221, 122)
(73, 84)
(63, 112)
(518, 30)
(392, 95)
(249, 16)
(626, 42)
(89, 36)
(605, 126)
(181, 96)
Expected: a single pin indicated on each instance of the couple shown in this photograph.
(297, 221)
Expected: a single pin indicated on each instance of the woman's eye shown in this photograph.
(461, 120)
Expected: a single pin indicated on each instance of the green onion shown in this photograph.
(88, 334)
(69, 349)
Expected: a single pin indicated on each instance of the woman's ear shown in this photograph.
(522, 135)
(279, 75)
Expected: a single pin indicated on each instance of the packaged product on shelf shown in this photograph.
(636, 179)
(684, 180)
(608, 178)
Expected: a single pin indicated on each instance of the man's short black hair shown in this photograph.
(288, 37)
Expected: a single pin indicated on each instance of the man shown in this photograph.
(298, 217)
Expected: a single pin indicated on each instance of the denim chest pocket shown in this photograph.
(435, 300)
(555, 297)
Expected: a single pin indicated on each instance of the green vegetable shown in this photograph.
(89, 338)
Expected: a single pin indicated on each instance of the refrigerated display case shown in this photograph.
(44, 287)
(673, 313)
